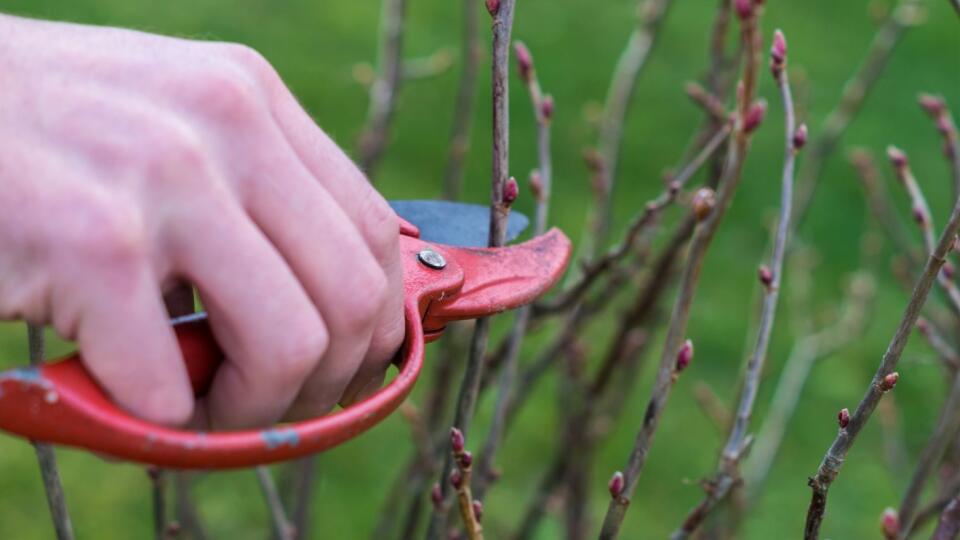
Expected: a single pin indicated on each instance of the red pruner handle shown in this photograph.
(61, 403)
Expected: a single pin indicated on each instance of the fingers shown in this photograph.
(268, 327)
(334, 264)
(370, 214)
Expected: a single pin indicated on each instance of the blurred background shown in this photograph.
(320, 46)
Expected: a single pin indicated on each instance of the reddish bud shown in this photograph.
(524, 60)
(765, 275)
(890, 523)
(890, 381)
(493, 6)
(943, 125)
(800, 137)
(755, 115)
(456, 479)
(947, 270)
(897, 157)
(778, 51)
(933, 105)
(923, 326)
(436, 496)
(478, 510)
(154, 473)
(457, 442)
(546, 108)
(919, 215)
(510, 191)
(703, 202)
(843, 418)
(684, 356)
(172, 529)
(536, 185)
(615, 485)
(744, 8)
(465, 460)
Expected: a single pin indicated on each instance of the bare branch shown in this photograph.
(383, 91)
(747, 119)
(833, 460)
(281, 525)
(470, 52)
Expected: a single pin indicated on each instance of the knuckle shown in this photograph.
(300, 353)
(381, 226)
(251, 62)
(372, 293)
(111, 234)
(226, 94)
(175, 154)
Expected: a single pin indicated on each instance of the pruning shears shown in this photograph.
(445, 279)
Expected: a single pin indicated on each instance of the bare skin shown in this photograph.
(131, 162)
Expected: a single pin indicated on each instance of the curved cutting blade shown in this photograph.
(453, 223)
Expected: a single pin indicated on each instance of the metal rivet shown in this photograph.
(432, 259)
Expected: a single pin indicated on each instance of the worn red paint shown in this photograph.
(475, 283)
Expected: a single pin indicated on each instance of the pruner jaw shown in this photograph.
(498, 279)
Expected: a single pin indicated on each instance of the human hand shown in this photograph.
(132, 162)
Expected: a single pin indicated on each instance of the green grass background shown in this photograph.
(314, 44)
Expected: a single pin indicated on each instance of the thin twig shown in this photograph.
(502, 14)
(541, 183)
(930, 458)
(629, 66)
(949, 526)
(936, 107)
(806, 352)
(852, 97)
(45, 456)
(728, 470)
(282, 528)
(187, 515)
(594, 270)
(460, 479)
(384, 90)
(833, 460)
(935, 339)
(923, 219)
(690, 278)
(880, 205)
(470, 52)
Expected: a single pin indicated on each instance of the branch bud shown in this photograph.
(755, 115)
(890, 523)
(493, 7)
(703, 202)
(933, 105)
(919, 215)
(536, 185)
(778, 54)
(889, 381)
(765, 275)
(436, 496)
(684, 356)
(744, 8)
(524, 60)
(457, 442)
(456, 479)
(510, 191)
(615, 485)
(897, 157)
(923, 326)
(478, 510)
(546, 108)
(947, 270)
(465, 460)
(843, 418)
(800, 137)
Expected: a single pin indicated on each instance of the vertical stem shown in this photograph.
(45, 455)
(499, 211)
(281, 526)
(470, 52)
(383, 92)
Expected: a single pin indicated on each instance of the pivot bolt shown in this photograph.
(432, 259)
